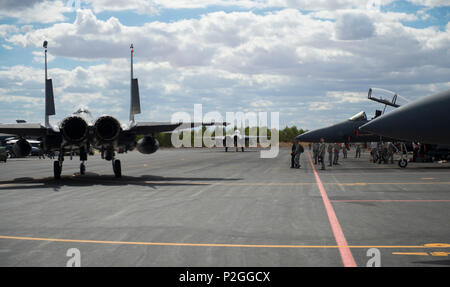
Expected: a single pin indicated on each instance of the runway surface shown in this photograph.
(205, 207)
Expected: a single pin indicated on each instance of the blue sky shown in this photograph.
(312, 61)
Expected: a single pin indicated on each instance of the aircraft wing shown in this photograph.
(24, 129)
(146, 128)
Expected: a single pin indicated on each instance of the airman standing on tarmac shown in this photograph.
(344, 150)
(330, 154)
(390, 151)
(298, 151)
(358, 151)
(337, 149)
(321, 153)
(315, 152)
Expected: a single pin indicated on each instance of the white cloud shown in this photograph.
(353, 26)
(6, 47)
(34, 11)
(270, 61)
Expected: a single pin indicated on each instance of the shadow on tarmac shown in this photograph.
(438, 262)
(92, 179)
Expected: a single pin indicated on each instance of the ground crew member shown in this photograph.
(337, 149)
(315, 152)
(330, 154)
(321, 153)
(344, 151)
(358, 151)
(294, 147)
(298, 151)
(374, 151)
(390, 150)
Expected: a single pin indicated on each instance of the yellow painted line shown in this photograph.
(411, 253)
(436, 245)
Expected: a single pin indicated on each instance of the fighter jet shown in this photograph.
(426, 120)
(78, 133)
(346, 131)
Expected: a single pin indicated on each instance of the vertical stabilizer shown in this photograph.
(49, 99)
(135, 103)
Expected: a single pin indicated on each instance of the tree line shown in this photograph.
(287, 134)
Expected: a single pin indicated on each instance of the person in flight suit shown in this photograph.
(358, 151)
(298, 151)
(321, 153)
(294, 147)
(391, 149)
(337, 149)
(315, 152)
(330, 154)
(344, 151)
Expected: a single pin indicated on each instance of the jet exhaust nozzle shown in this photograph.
(147, 145)
(21, 148)
(107, 128)
(74, 129)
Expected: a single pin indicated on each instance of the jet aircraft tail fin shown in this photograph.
(135, 103)
(135, 100)
(49, 98)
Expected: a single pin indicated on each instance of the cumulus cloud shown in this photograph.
(351, 26)
(315, 62)
(32, 11)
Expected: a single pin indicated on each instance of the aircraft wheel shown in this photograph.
(242, 149)
(117, 168)
(402, 163)
(82, 168)
(57, 168)
(226, 149)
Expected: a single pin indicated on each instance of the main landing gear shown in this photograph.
(117, 168)
(57, 164)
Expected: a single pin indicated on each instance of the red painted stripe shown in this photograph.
(344, 250)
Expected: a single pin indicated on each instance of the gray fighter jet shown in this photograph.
(426, 120)
(346, 131)
(78, 133)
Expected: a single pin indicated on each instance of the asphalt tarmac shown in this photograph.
(205, 207)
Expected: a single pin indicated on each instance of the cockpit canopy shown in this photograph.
(361, 116)
(82, 111)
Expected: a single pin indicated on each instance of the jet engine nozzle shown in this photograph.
(148, 145)
(74, 129)
(21, 148)
(107, 128)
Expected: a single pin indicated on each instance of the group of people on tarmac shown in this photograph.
(319, 153)
(333, 150)
(383, 152)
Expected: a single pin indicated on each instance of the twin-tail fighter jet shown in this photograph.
(79, 133)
